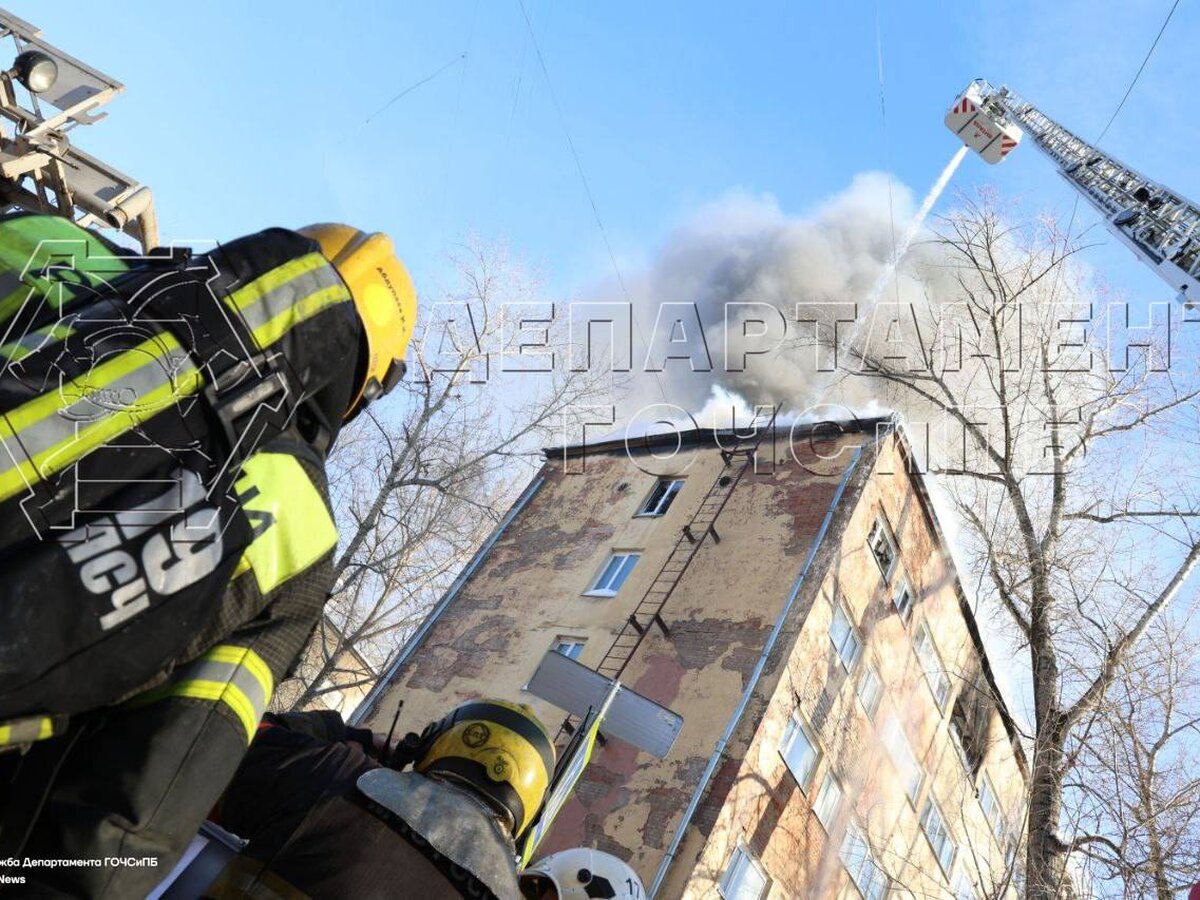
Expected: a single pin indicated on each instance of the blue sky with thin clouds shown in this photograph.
(250, 114)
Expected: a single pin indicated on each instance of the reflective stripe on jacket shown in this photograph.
(131, 546)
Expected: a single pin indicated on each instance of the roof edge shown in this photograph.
(718, 437)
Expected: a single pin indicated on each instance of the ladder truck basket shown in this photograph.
(981, 125)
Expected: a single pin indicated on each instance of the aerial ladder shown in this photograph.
(1160, 226)
(45, 96)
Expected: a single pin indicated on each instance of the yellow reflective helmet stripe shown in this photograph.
(234, 676)
(293, 527)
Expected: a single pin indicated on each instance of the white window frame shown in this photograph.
(963, 886)
(674, 486)
(797, 725)
(867, 876)
(829, 784)
(931, 806)
(960, 749)
(934, 669)
(881, 526)
(904, 586)
(995, 819)
(851, 634)
(596, 591)
(897, 743)
(740, 861)
(562, 641)
(869, 672)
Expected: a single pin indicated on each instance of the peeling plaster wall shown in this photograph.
(529, 592)
(768, 811)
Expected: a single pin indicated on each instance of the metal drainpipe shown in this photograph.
(723, 742)
(368, 704)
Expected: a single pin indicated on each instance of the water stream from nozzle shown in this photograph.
(914, 226)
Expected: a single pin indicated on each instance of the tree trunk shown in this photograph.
(1162, 886)
(1045, 855)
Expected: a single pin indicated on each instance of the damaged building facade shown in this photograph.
(842, 731)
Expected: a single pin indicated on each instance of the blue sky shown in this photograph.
(251, 114)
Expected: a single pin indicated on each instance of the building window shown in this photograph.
(883, 547)
(970, 720)
(931, 664)
(991, 809)
(569, 647)
(870, 689)
(828, 799)
(845, 639)
(613, 575)
(903, 600)
(744, 878)
(661, 497)
(856, 856)
(799, 751)
(905, 761)
(934, 826)
(963, 889)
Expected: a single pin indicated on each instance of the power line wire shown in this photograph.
(448, 157)
(587, 188)
(1075, 205)
(1116, 112)
(886, 161)
(412, 87)
(1149, 53)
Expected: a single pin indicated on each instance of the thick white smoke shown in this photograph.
(744, 249)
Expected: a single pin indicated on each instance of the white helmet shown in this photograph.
(581, 874)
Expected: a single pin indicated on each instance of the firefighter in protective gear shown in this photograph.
(326, 813)
(581, 874)
(164, 519)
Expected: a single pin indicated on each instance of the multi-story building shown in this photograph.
(842, 734)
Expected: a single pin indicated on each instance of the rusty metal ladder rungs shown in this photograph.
(647, 614)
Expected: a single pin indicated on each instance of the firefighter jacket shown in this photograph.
(161, 475)
(325, 819)
(165, 527)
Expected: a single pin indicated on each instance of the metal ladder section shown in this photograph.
(1160, 225)
(701, 526)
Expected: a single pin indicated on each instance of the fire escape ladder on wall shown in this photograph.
(648, 612)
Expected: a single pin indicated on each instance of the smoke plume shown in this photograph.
(744, 249)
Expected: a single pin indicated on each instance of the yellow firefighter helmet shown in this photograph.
(384, 297)
(498, 749)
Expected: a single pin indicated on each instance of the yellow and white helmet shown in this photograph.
(581, 874)
(499, 750)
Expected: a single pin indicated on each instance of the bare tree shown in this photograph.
(1138, 777)
(1060, 458)
(421, 480)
